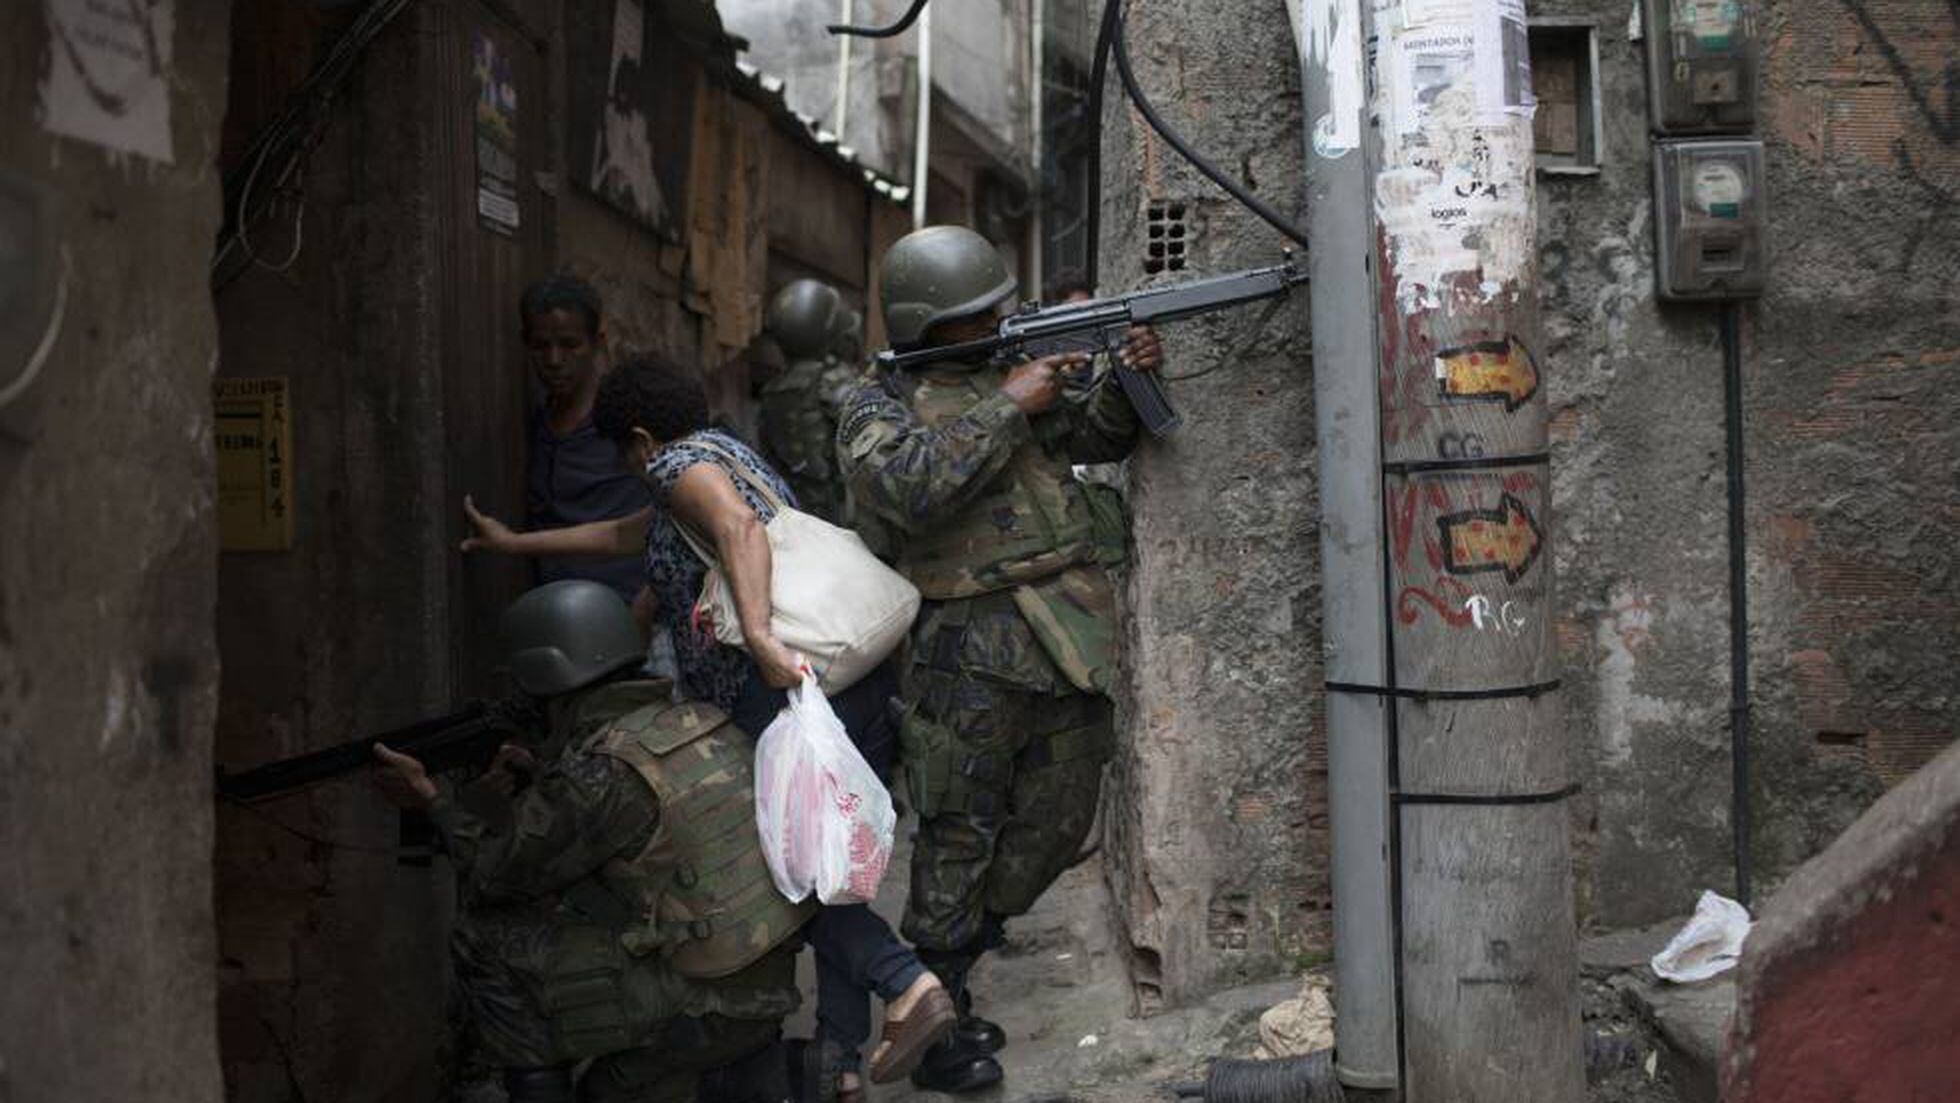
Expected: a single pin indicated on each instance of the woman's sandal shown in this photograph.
(920, 1017)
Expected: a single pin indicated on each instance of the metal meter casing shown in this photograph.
(1709, 218)
(1701, 65)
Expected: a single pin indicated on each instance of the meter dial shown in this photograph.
(1717, 189)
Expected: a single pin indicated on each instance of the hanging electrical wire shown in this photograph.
(1098, 77)
(278, 152)
(1176, 141)
(1232, 187)
(904, 24)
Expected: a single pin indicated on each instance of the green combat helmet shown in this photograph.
(568, 634)
(937, 274)
(847, 338)
(804, 317)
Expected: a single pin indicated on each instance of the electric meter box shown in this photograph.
(1709, 218)
(1701, 66)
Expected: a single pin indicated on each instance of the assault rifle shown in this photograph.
(1099, 325)
(468, 736)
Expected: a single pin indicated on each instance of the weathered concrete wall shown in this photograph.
(1217, 813)
(1851, 458)
(1846, 985)
(980, 64)
(108, 668)
(1853, 510)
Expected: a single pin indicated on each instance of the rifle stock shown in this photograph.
(469, 735)
(1099, 325)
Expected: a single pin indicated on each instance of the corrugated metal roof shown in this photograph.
(767, 91)
(698, 20)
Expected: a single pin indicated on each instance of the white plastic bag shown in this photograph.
(1711, 942)
(826, 820)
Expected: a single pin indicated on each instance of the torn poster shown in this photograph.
(496, 138)
(1334, 43)
(108, 75)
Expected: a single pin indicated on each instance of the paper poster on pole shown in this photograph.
(1426, 62)
(1333, 43)
(1457, 103)
(108, 74)
(1503, 50)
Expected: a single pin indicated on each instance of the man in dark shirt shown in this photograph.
(575, 475)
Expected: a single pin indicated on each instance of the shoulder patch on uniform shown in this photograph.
(869, 406)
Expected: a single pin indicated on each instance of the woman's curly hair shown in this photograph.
(648, 391)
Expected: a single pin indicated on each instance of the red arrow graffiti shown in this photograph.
(1477, 541)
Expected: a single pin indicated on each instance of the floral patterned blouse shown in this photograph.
(709, 670)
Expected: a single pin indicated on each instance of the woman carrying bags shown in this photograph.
(703, 478)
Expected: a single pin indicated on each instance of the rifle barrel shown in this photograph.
(424, 739)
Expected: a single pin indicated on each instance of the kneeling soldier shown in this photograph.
(618, 908)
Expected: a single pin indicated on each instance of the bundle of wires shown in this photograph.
(1110, 43)
(278, 152)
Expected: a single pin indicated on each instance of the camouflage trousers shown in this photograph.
(1005, 781)
(545, 985)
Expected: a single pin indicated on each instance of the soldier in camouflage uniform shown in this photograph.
(800, 406)
(618, 908)
(1007, 724)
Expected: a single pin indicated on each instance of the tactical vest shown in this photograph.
(701, 888)
(798, 430)
(1029, 523)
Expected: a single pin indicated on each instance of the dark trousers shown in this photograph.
(857, 951)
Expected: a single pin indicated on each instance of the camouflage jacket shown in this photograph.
(582, 811)
(799, 411)
(913, 476)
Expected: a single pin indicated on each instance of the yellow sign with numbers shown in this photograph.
(255, 448)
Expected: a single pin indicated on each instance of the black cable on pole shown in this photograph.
(1098, 76)
(1739, 815)
(1232, 187)
(904, 23)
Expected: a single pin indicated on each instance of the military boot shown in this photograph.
(962, 1061)
(983, 1033)
(815, 1069)
(977, 1031)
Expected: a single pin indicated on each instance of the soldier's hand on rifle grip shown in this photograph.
(511, 770)
(1141, 350)
(1035, 385)
(402, 780)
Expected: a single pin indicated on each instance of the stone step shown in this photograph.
(1687, 1022)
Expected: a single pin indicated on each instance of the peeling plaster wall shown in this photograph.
(1853, 463)
(1217, 846)
(108, 548)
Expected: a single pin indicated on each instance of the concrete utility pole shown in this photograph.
(1456, 673)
